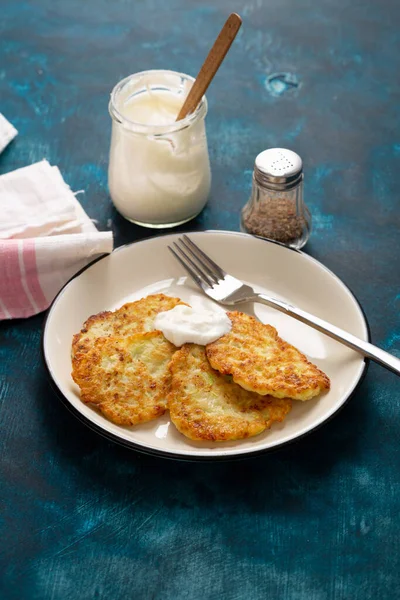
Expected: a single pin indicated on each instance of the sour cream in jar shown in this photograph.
(159, 171)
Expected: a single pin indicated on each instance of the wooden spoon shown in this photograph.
(211, 65)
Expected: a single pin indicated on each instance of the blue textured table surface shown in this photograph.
(83, 518)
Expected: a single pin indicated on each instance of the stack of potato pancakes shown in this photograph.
(234, 388)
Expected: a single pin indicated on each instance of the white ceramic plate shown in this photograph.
(147, 267)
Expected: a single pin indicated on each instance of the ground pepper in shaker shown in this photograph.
(276, 209)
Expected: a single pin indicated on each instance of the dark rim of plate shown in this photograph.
(183, 457)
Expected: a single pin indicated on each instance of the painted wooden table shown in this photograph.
(82, 518)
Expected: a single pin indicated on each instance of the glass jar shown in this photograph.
(159, 174)
(276, 208)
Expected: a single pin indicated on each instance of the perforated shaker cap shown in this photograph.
(278, 169)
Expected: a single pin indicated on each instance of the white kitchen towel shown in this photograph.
(45, 238)
(36, 201)
(7, 132)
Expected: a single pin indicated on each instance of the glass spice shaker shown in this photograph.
(276, 209)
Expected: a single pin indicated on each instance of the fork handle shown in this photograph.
(365, 348)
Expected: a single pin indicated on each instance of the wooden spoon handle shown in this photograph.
(211, 65)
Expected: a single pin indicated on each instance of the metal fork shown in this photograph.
(226, 289)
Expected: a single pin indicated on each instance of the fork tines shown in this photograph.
(201, 268)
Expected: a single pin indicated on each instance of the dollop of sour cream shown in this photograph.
(184, 324)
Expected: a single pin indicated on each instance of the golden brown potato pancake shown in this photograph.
(133, 317)
(126, 377)
(205, 405)
(260, 361)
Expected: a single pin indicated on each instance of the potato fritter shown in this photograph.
(205, 405)
(126, 377)
(260, 361)
(133, 317)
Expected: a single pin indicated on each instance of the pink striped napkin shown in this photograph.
(45, 238)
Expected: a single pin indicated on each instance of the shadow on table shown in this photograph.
(277, 481)
(127, 232)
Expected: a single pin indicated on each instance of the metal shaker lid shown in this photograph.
(278, 168)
